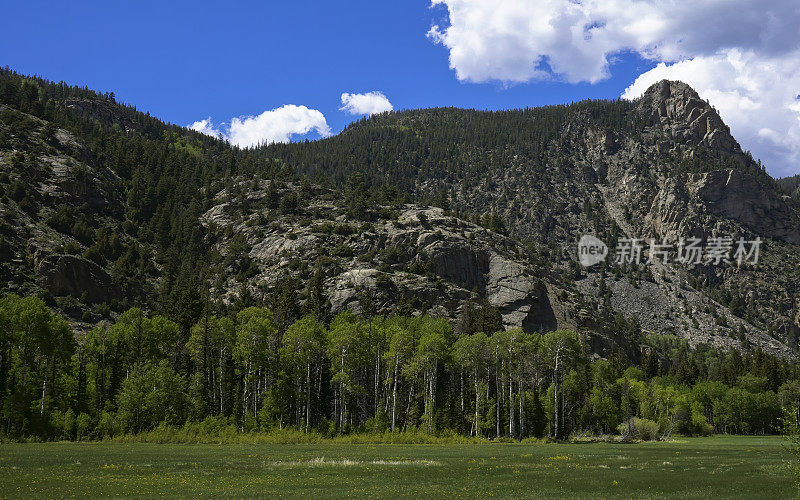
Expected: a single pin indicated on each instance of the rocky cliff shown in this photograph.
(404, 254)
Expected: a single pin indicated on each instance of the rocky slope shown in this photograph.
(664, 166)
(670, 169)
(45, 222)
(405, 254)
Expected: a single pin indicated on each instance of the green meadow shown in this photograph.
(714, 467)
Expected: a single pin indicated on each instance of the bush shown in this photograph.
(57, 423)
(17, 191)
(642, 429)
(289, 204)
(72, 248)
(342, 250)
(93, 253)
(81, 231)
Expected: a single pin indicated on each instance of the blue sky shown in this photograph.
(186, 61)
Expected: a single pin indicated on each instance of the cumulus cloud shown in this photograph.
(757, 96)
(520, 40)
(205, 127)
(719, 46)
(365, 104)
(276, 125)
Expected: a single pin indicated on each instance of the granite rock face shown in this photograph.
(737, 195)
(75, 276)
(683, 115)
(105, 111)
(433, 261)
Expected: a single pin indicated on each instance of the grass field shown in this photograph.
(718, 467)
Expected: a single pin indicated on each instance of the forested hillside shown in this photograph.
(100, 183)
(416, 271)
(791, 185)
(664, 167)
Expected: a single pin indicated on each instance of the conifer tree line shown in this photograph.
(254, 370)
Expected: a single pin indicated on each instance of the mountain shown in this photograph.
(663, 166)
(469, 215)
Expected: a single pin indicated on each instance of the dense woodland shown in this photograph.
(253, 372)
(166, 353)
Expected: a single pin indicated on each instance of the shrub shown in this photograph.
(342, 250)
(642, 429)
(72, 248)
(93, 253)
(289, 204)
(57, 422)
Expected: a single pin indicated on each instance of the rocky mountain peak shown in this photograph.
(679, 111)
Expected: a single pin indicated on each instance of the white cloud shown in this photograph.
(365, 104)
(520, 40)
(756, 96)
(276, 125)
(742, 55)
(205, 127)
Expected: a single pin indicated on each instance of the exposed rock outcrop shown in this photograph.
(75, 276)
(104, 111)
(737, 195)
(427, 259)
(681, 113)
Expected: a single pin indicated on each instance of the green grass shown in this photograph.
(720, 467)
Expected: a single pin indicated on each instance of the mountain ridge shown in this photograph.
(662, 165)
